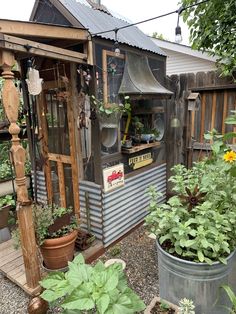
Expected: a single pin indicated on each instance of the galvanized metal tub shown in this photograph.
(200, 282)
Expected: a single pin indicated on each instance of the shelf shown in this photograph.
(138, 148)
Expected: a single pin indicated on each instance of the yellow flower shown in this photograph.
(230, 156)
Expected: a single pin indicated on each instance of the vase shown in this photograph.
(199, 282)
(59, 251)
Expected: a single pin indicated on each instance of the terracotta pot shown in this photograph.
(4, 211)
(151, 307)
(59, 251)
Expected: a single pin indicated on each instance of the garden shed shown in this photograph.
(113, 172)
(99, 167)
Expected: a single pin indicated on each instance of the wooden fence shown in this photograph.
(185, 143)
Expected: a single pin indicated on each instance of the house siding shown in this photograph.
(178, 63)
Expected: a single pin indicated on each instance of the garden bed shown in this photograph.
(137, 250)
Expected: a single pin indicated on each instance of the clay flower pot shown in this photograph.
(59, 251)
(154, 307)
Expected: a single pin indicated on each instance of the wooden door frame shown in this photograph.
(60, 159)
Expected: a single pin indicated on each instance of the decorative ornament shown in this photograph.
(34, 82)
(194, 198)
(38, 306)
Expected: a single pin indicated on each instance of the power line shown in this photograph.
(179, 11)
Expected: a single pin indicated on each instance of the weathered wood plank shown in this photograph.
(32, 29)
(35, 48)
(61, 177)
(60, 158)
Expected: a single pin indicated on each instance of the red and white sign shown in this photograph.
(113, 177)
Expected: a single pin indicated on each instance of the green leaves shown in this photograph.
(84, 288)
(212, 29)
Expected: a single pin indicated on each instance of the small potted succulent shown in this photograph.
(91, 289)
(195, 229)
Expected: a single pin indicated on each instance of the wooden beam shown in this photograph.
(203, 113)
(31, 29)
(72, 138)
(213, 111)
(34, 48)
(61, 177)
(11, 100)
(225, 109)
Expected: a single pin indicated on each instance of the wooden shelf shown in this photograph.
(138, 148)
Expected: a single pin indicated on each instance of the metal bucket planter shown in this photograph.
(200, 282)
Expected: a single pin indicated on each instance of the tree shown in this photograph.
(158, 36)
(213, 28)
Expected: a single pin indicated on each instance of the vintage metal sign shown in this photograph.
(113, 177)
(140, 161)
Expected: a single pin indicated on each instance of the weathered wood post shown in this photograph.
(10, 97)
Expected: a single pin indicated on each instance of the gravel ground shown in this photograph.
(137, 250)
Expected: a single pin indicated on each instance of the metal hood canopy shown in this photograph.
(138, 79)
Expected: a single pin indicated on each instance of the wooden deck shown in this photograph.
(12, 265)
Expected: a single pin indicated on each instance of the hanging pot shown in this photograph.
(109, 120)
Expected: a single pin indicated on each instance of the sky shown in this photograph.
(133, 10)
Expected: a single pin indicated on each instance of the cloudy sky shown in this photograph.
(133, 10)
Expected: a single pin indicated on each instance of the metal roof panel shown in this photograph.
(97, 21)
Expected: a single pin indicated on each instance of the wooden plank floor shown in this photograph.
(12, 265)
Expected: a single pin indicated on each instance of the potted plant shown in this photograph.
(56, 232)
(91, 289)
(160, 306)
(195, 229)
(6, 202)
(109, 114)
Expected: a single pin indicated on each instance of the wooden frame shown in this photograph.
(34, 48)
(42, 30)
(106, 53)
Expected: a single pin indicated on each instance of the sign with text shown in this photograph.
(113, 177)
(140, 161)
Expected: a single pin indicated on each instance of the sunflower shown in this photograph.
(229, 156)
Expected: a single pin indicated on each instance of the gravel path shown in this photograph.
(137, 250)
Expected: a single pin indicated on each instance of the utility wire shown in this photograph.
(179, 11)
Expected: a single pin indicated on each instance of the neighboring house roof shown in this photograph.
(97, 21)
(183, 59)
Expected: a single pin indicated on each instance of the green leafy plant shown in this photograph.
(87, 289)
(164, 307)
(44, 217)
(232, 298)
(198, 223)
(7, 200)
(111, 108)
(186, 306)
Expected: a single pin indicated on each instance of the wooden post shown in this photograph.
(10, 96)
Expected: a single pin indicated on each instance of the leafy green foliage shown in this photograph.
(6, 200)
(45, 216)
(206, 233)
(164, 306)
(85, 289)
(212, 28)
(110, 109)
(232, 298)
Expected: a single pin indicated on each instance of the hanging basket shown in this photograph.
(109, 120)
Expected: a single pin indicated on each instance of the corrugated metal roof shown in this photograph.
(96, 21)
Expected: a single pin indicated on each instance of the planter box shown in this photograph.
(156, 300)
(199, 282)
(7, 188)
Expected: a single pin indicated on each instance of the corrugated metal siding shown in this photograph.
(96, 21)
(121, 209)
(41, 187)
(177, 63)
